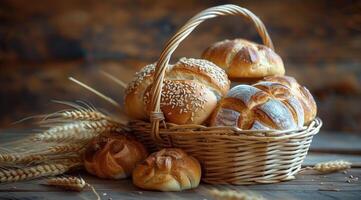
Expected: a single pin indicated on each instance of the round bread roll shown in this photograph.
(244, 60)
(191, 90)
(168, 170)
(113, 156)
(300, 92)
(263, 106)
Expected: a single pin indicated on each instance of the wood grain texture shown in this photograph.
(44, 42)
(307, 185)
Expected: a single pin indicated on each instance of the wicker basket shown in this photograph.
(227, 154)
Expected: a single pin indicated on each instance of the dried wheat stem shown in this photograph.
(37, 171)
(332, 166)
(106, 98)
(233, 195)
(116, 80)
(68, 183)
(17, 158)
(94, 191)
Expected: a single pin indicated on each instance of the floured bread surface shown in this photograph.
(259, 107)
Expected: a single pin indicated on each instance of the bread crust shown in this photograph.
(113, 156)
(243, 59)
(168, 170)
(190, 92)
(265, 105)
(300, 92)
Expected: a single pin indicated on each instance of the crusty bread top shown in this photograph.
(168, 170)
(300, 92)
(244, 59)
(249, 107)
(191, 86)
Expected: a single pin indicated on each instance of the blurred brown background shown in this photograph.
(44, 42)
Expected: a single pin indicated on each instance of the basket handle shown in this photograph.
(156, 116)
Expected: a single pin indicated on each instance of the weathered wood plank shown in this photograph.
(306, 185)
(331, 142)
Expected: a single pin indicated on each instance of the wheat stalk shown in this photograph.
(332, 166)
(233, 195)
(11, 175)
(68, 183)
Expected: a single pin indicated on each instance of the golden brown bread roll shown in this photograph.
(190, 91)
(113, 156)
(244, 60)
(265, 105)
(301, 93)
(168, 170)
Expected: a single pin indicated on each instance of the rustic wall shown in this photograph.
(43, 42)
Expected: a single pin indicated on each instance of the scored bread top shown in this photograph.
(249, 107)
(300, 92)
(244, 59)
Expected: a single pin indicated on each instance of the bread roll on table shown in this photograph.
(113, 156)
(168, 170)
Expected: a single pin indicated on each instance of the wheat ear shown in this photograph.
(88, 115)
(68, 183)
(233, 195)
(83, 130)
(65, 148)
(332, 166)
(12, 175)
(17, 158)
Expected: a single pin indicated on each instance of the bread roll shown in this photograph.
(263, 106)
(244, 60)
(300, 92)
(168, 170)
(190, 91)
(113, 156)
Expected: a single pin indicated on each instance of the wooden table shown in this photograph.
(307, 185)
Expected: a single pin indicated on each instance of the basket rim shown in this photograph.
(230, 131)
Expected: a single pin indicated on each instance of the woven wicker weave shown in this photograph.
(227, 154)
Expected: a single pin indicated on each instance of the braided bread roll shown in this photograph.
(244, 60)
(300, 92)
(113, 156)
(263, 106)
(191, 90)
(168, 170)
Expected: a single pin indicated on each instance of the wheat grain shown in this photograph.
(233, 195)
(68, 183)
(17, 158)
(332, 166)
(11, 175)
